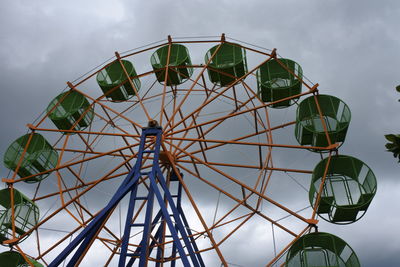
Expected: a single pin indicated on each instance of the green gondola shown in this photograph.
(15, 259)
(179, 62)
(39, 157)
(309, 128)
(228, 64)
(322, 250)
(114, 83)
(70, 111)
(349, 188)
(26, 214)
(278, 79)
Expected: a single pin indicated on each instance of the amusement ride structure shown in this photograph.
(175, 163)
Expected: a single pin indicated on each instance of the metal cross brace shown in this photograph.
(130, 185)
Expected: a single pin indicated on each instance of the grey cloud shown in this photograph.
(349, 47)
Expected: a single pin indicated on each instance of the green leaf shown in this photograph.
(398, 88)
(390, 146)
(390, 137)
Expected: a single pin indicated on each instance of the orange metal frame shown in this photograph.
(177, 142)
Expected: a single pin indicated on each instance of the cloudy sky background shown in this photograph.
(351, 48)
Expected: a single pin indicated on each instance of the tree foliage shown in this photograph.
(394, 139)
(394, 144)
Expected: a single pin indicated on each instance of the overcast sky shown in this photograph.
(351, 48)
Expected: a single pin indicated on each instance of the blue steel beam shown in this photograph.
(95, 224)
(153, 243)
(124, 246)
(159, 237)
(130, 184)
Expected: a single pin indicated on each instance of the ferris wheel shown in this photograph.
(165, 157)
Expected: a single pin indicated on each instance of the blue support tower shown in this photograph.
(169, 217)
